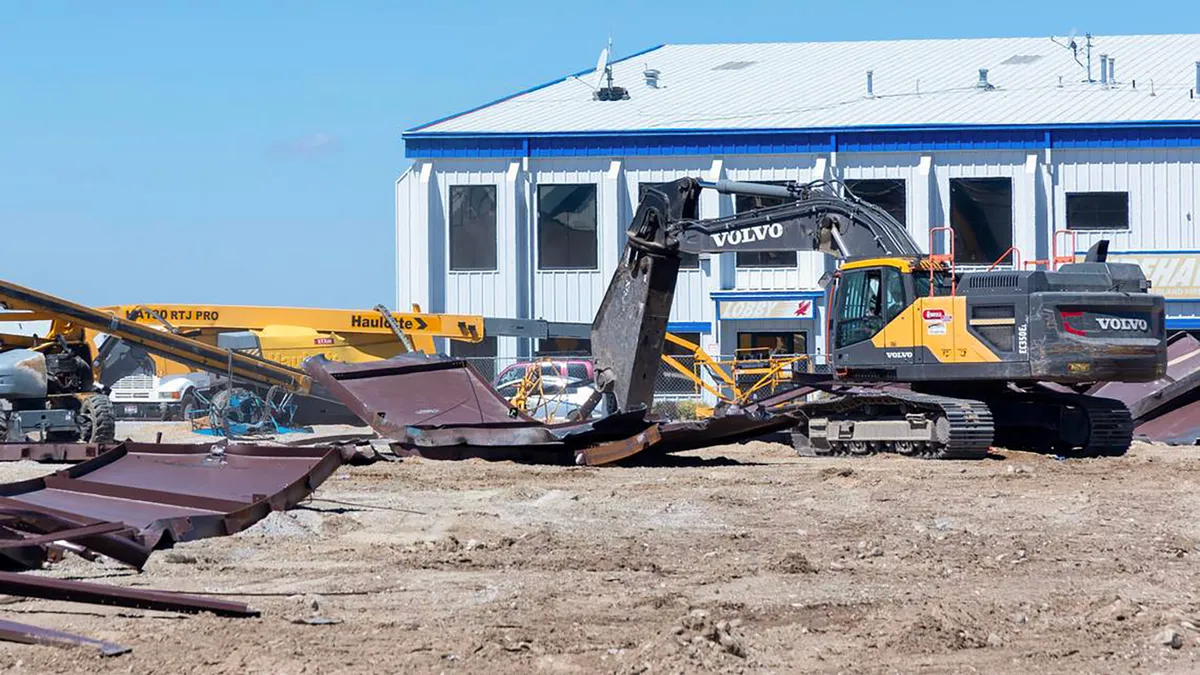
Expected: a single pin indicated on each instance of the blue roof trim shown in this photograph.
(530, 90)
(1183, 324)
(703, 327)
(888, 138)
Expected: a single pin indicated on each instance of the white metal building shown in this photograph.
(518, 207)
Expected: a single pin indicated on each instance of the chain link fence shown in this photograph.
(679, 394)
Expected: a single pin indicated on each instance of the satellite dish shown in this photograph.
(601, 69)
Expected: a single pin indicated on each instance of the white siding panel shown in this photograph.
(567, 295)
(574, 295)
(488, 293)
(1164, 194)
(412, 246)
(993, 164)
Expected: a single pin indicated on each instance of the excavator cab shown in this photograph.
(880, 311)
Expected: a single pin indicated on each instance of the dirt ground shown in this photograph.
(739, 559)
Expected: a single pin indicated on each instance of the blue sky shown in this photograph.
(245, 152)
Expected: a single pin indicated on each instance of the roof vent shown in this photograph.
(983, 81)
(651, 75)
(1104, 69)
(1112, 70)
(1020, 59)
(870, 84)
(734, 65)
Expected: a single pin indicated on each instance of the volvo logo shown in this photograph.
(749, 235)
(1115, 323)
(899, 355)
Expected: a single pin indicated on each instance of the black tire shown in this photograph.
(97, 422)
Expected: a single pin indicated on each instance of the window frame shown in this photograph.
(959, 231)
(1077, 194)
(450, 228)
(540, 253)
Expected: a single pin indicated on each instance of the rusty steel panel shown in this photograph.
(414, 390)
(1145, 400)
(11, 631)
(438, 407)
(164, 493)
(51, 452)
(1180, 426)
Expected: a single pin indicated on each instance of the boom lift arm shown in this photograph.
(630, 326)
(177, 348)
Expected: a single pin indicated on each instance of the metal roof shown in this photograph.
(821, 85)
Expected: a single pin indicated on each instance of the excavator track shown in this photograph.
(1063, 423)
(907, 423)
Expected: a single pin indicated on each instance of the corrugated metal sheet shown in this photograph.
(823, 85)
(1164, 194)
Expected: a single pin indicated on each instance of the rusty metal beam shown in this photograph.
(29, 586)
(11, 631)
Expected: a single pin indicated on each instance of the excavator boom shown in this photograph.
(631, 324)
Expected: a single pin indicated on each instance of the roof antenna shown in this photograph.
(604, 73)
(1072, 45)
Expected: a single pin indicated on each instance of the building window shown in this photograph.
(481, 355)
(1097, 210)
(687, 261)
(567, 227)
(765, 344)
(982, 215)
(887, 193)
(472, 227)
(743, 203)
(564, 347)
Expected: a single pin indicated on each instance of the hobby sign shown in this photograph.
(735, 310)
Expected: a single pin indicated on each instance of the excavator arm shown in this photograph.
(631, 324)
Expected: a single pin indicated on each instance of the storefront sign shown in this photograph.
(1174, 276)
(766, 309)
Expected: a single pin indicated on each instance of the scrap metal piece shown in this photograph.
(414, 389)
(615, 451)
(11, 631)
(1180, 426)
(51, 452)
(29, 586)
(165, 493)
(439, 407)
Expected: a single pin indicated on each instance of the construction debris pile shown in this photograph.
(136, 499)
